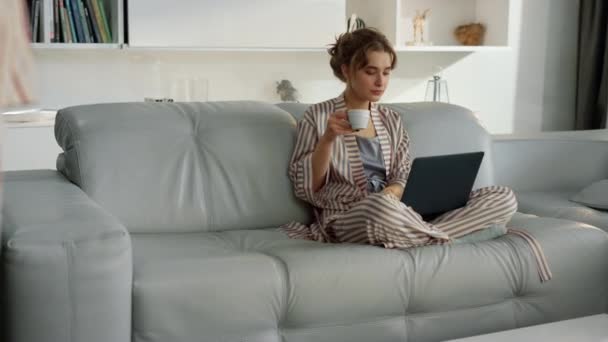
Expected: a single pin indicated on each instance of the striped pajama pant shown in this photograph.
(382, 219)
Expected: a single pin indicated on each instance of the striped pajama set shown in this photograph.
(349, 207)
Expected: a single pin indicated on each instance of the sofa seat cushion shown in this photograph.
(557, 204)
(235, 282)
(261, 285)
(193, 286)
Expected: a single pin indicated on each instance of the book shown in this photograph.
(56, 23)
(65, 22)
(77, 21)
(83, 22)
(36, 27)
(94, 33)
(98, 20)
(32, 7)
(104, 18)
(74, 34)
(46, 21)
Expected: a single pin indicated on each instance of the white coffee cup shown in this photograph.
(358, 118)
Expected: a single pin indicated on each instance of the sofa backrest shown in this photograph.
(183, 167)
(187, 167)
(437, 128)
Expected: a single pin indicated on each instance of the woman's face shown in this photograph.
(370, 82)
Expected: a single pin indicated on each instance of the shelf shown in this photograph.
(403, 48)
(445, 16)
(450, 48)
(224, 49)
(74, 46)
(395, 19)
(444, 48)
(125, 47)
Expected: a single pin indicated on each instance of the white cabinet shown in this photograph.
(234, 23)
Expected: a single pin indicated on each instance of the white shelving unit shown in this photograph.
(201, 25)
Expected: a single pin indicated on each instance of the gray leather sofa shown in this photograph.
(160, 225)
(558, 165)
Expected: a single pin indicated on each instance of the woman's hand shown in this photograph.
(337, 125)
(394, 190)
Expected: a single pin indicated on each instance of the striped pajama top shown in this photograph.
(345, 181)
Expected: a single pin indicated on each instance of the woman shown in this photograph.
(355, 180)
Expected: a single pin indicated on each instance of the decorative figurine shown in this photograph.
(286, 91)
(419, 22)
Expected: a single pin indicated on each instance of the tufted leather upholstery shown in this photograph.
(305, 291)
(557, 204)
(183, 167)
(548, 169)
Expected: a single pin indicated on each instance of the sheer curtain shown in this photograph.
(592, 83)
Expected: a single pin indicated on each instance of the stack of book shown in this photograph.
(69, 21)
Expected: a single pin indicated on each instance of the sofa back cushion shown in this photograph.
(442, 128)
(183, 167)
(437, 128)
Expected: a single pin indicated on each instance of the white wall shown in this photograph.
(528, 88)
(77, 77)
(482, 81)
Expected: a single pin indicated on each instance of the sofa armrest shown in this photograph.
(550, 161)
(67, 264)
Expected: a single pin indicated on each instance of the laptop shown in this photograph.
(438, 184)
